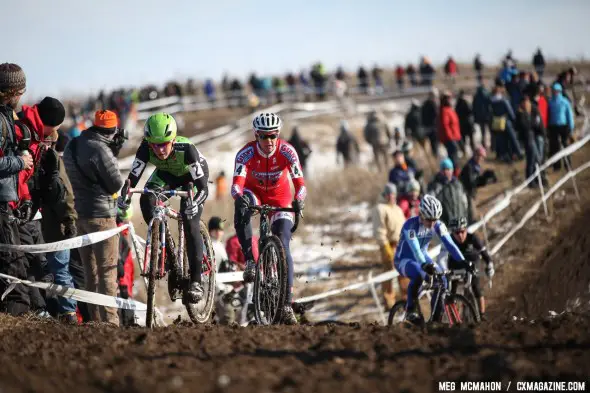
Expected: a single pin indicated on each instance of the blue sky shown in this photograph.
(79, 46)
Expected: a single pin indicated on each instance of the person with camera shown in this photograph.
(13, 84)
(42, 187)
(91, 165)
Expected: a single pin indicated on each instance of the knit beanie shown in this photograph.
(12, 78)
(106, 120)
(51, 111)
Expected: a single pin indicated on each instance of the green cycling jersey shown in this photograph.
(184, 164)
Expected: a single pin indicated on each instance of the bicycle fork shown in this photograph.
(148, 249)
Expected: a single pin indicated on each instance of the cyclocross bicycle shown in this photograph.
(460, 283)
(270, 284)
(162, 256)
(447, 308)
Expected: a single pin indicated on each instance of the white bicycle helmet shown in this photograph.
(430, 207)
(267, 122)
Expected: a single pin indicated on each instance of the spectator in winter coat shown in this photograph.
(561, 124)
(539, 63)
(92, 169)
(472, 178)
(502, 125)
(539, 102)
(426, 72)
(529, 125)
(465, 114)
(13, 84)
(478, 67)
(51, 191)
(377, 135)
(401, 174)
(429, 114)
(363, 80)
(301, 147)
(346, 145)
(388, 220)
(237, 262)
(481, 112)
(399, 76)
(412, 123)
(411, 71)
(449, 191)
(410, 201)
(448, 128)
(451, 68)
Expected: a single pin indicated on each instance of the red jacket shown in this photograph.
(399, 72)
(543, 109)
(410, 207)
(30, 117)
(126, 260)
(448, 125)
(234, 250)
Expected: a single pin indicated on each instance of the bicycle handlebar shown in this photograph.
(267, 209)
(168, 193)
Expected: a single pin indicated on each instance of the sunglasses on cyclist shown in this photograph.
(268, 136)
(460, 231)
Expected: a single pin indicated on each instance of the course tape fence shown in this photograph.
(112, 301)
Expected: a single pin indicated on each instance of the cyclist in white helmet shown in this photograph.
(411, 258)
(261, 176)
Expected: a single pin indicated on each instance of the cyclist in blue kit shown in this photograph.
(411, 258)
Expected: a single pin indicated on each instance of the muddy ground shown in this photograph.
(520, 343)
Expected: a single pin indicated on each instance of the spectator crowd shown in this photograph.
(72, 177)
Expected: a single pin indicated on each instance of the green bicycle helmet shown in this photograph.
(160, 128)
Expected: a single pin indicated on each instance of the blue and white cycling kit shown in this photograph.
(412, 252)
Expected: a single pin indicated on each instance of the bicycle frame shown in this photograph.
(440, 293)
(162, 212)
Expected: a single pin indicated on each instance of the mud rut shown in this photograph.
(549, 270)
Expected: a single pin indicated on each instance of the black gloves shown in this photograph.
(25, 211)
(298, 205)
(70, 229)
(428, 268)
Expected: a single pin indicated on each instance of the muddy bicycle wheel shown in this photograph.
(397, 313)
(460, 311)
(270, 284)
(201, 311)
(150, 315)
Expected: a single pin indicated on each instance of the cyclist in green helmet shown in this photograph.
(178, 162)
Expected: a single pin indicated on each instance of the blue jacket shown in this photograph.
(560, 112)
(401, 177)
(415, 239)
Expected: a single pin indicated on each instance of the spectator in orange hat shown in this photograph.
(95, 177)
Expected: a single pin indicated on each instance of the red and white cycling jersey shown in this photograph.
(266, 175)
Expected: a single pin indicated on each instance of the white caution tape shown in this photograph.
(75, 242)
(77, 294)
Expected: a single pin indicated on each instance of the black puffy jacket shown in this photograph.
(94, 174)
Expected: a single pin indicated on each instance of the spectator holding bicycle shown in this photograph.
(473, 251)
(178, 165)
(388, 219)
(261, 176)
(93, 172)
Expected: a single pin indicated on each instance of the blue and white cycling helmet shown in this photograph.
(267, 122)
(430, 208)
